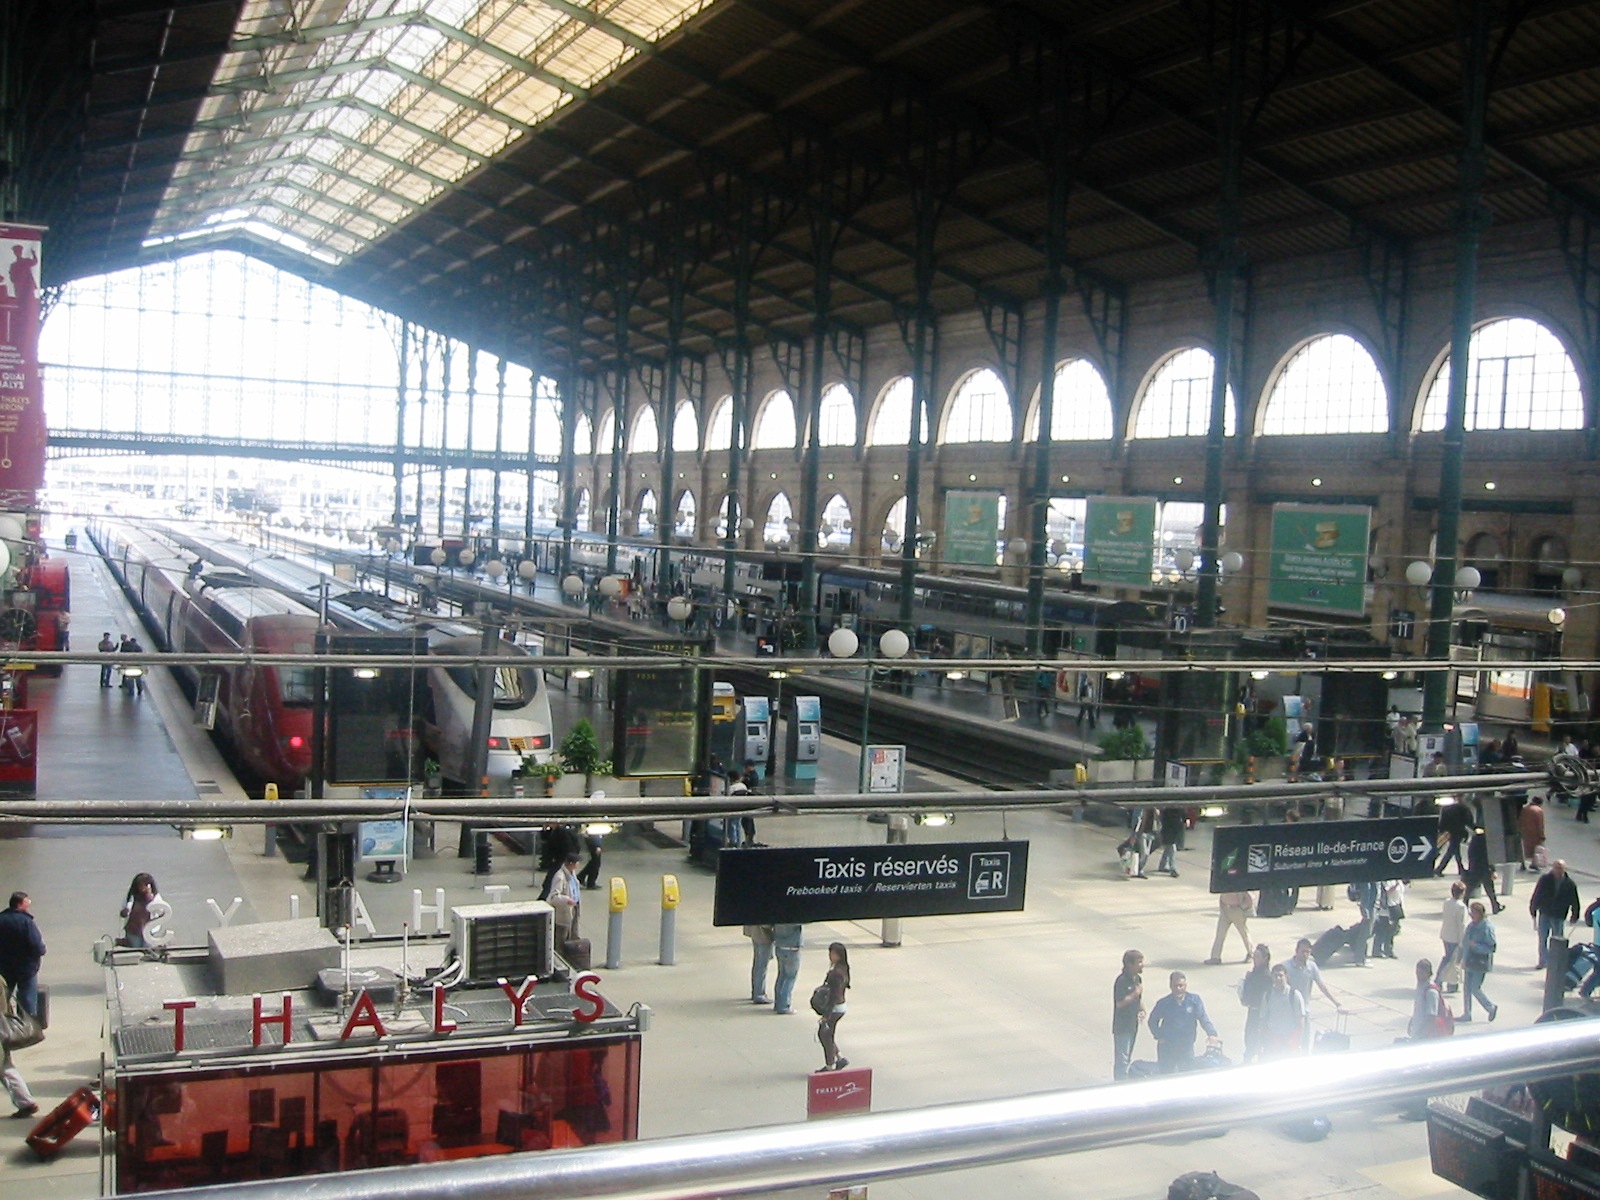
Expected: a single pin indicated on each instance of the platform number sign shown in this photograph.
(1402, 623)
(1182, 619)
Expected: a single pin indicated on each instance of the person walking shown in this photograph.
(1234, 910)
(108, 645)
(1553, 906)
(1127, 1011)
(1144, 839)
(1253, 990)
(1302, 971)
(143, 897)
(1478, 945)
(1087, 708)
(21, 949)
(566, 897)
(837, 982)
(787, 941)
(133, 684)
(1429, 1014)
(1455, 830)
(1390, 911)
(1480, 871)
(1174, 1022)
(1452, 924)
(1283, 1017)
(16, 1086)
(1530, 826)
(760, 959)
(1173, 820)
(589, 877)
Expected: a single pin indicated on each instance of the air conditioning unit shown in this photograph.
(504, 941)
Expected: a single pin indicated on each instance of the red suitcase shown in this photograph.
(65, 1122)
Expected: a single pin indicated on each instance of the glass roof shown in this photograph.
(331, 121)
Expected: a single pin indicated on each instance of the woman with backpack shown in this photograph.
(829, 1004)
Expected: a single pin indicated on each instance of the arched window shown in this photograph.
(1177, 402)
(719, 434)
(683, 520)
(891, 424)
(583, 437)
(780, 515)
(644, 516)
(775, 425)
(1330, 385)
(836, 421)
(580, 510)
(1082, 408)
(685, 433)
(722, 517)
(1548, 568)
(646, 437)
(894, 528)
(980, 411)
(604, 439)
(1520, 377)
(837, 526)
(1483, 552)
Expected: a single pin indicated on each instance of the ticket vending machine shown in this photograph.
(725, 724)
(753, 740)
(804, 742)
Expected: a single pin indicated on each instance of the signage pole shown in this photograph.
(899, 823)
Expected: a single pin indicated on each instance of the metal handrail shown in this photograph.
(660, 808)
(959, 1136)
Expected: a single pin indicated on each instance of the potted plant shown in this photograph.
(1125, 755)
(580, 754)
(1269, 746)
(548, 772)
(432, 776)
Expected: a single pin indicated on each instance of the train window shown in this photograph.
(513, 686)
(298, 685)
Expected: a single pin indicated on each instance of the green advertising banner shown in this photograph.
(1319, 557)
(1119, 540)
(971, 527)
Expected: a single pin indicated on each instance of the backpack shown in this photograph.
(822, 1000)
(1445, 1023)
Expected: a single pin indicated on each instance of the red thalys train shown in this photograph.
(263, 712)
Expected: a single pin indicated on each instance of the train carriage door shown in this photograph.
(205, 700)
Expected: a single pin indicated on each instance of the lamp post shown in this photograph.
(527, 571)
(572, 588)
(843, 643)
(680, 609)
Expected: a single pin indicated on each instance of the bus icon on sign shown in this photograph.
(989, 877)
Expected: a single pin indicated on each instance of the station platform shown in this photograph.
(966, 1007)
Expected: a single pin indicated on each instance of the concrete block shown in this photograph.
(270, 956)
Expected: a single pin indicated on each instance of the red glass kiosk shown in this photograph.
(351, 1069)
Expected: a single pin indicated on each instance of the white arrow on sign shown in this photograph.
(1399, 849)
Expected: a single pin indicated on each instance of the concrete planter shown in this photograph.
(1271, 768)
(1121, 770)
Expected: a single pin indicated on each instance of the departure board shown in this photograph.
(660, 714)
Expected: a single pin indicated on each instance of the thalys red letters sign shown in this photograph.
(857, 883)
(22, 427)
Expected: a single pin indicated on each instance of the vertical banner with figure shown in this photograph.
(1119, 540)
(1319, 557)
(971, 527)
(22, 427)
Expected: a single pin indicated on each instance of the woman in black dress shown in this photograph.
(837, 982)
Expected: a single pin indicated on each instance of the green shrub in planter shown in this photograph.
(1126, 744)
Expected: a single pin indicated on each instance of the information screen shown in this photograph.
(661, 717)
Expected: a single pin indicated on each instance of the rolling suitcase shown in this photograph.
(65, 1122)
(577, 953)
(1277, 902)
(1335, 1040)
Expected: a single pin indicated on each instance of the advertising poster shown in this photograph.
(22, 427)
(1319, 558)
(971, 527)
(885, 769)
(1119, 540)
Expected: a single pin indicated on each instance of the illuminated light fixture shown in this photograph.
(679, 608)
(1113, 676)
(1177, 479)
(1441, 801)
(1066, 479)
(582, 673)
(599, 828)
(1488, 485)
(204, 833)
(1391, 675)
(897, 477)
(1317, 481)
(935, 820)
(972, 479)
(773, 475)
(365, 672)
(296, 741)
(1213, 810)
(1557, 617)
(777, 674)
(1259, 674)
(955, 676)
(830, 474)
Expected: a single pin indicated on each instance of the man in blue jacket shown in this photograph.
(21, 948)
(1174, 1022)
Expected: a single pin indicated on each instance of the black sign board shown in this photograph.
(858, 883)
(370, 712)
(1551, 1178)
(660, 716)
(1472, 1155)
(1307, 853)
